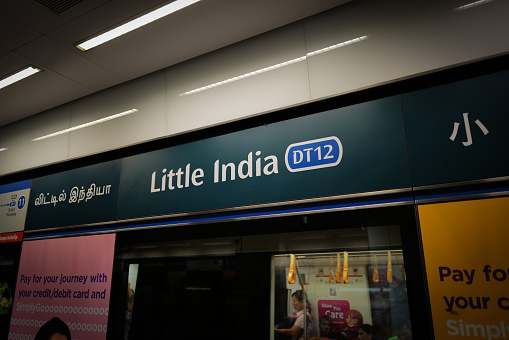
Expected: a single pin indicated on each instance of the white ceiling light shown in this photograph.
(276, 66)
(3, 149)
(18, 76)
(472, 4)
(102, 120)
(136, 23)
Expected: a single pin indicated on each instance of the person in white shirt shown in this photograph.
(297, 330)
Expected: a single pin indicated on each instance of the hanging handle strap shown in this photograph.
(291, 274)
(338, 269)
(389, 267)
(376, 278)
(331, 271)
(345, 267)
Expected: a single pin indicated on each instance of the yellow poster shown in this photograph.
(466, 249)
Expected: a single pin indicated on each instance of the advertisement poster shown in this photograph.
(67, 278)
(9, 257)
(13, 206)
(465, 249)
(345, 320)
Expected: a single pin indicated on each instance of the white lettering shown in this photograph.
(198, 173)
(216, 171)
(457, 327)
(163, 181)
(244, 169)
(230, 166)
(249, 164)
(271, 167)
(177, 180)
(298, 156)
(152, 184)
(308, 157)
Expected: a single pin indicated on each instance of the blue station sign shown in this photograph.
(76, 197)
(450, 133)
(13, 205)
(359, 148)
(314, 154)
(458, 131)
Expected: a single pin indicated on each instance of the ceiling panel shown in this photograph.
(54, 57)
(14, 34)
(36, 96)
(33, 34)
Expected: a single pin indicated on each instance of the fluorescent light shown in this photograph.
(3, 149)
(18, 76)
(276, 66)
(136, 23)
(102, 120)
(472, 4)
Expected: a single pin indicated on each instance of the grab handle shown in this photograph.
(345, 268)
(389, 267)
(291, 273)
(375, 272)
(331, 272)
(338, 269)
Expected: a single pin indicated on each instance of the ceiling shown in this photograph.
(43, 33)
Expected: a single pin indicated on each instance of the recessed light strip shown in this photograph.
(102, 120)
(18, 76)
(473, 4)
(136, 23)
(276, 66)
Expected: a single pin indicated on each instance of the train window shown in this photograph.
(346, 292)
(232, 282)
(191, 288)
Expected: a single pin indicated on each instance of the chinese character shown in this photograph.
(467, 129)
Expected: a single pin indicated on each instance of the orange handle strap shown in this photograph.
(389, 267)
(345, 268)
(376, 278)
(291, 273)
(338, 270)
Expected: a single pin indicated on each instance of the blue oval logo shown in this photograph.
(21, 202)
(314, 154)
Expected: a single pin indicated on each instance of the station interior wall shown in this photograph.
(383, 42)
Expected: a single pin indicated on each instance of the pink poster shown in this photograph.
(67, 278)
(344, 319)
(336, 310)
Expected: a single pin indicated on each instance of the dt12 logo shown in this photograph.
(314, 154)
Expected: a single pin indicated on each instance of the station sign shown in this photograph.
(358, 148)
(458, 132)
(13, 206)
(76, 197)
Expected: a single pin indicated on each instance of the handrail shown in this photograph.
(358, 253)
